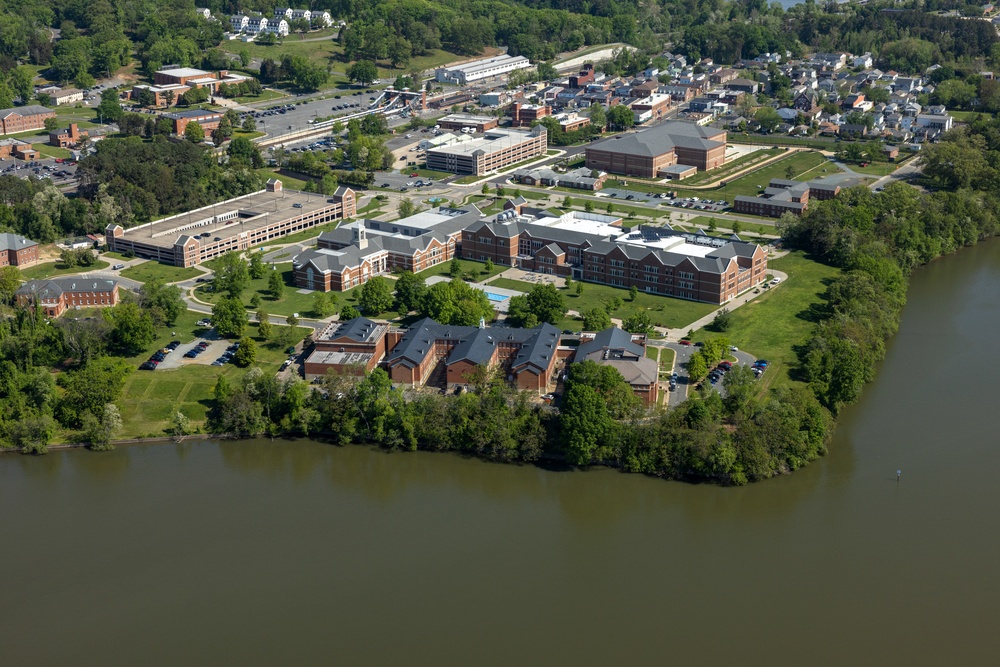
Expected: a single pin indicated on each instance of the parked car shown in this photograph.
(685, 342)
(761, 363)
(117, 267)
(204, 322)
(173, 345)
(147, 366)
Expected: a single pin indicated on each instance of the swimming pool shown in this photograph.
(496, 297)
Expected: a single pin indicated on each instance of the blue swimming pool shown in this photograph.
(496, 297)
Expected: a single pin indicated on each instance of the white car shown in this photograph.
(733, 348)
(776, 281)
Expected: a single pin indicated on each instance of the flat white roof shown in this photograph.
(673, 244)
(588, 223)
(183, 71)
(494, 140)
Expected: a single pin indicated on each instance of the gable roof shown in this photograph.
(55, 287)
(661, 139)
(10, 241)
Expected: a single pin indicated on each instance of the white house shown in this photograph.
(257, 25)
(323, 18)
(277, 26)
(292, 14)
(205, 12)
(239, 22)
(864, 61)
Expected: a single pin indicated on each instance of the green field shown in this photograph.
(51, 151)
(664, 311)
(152, 397)
(772, 324)
(967, 116)
(287, 181)
(57, 268)
(802, 165)
(170, 274)
(761, 140)
(733, 166)
(468, 266)
(875, 168)
(266, 96)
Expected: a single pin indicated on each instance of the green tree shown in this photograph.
(222, 133)
(767, 118)
(633, 293)
(229, 317)
(257, 268)
(638, 322)
(588, 206)
(275, 286)
(362, 72)
(455, 268)
(323, 304)
(163, 302)
(98, 430)
(485, 189)
(110, 107)
(410, 291)
(406, 208)
(263, 324)
(180, 425)
(194, 133)
(620, 117)
(697, 368)
(598, 117)
(90, 388)
(489, 266)
(579, 289)
(376, 296)
(132, 329)
(567, 202)
(349, 312)
(232, 275)
(249, 124)
(736, 226)
(10, 281)
(246, 355)
(722, 321)
(596, 319)
(547, 303)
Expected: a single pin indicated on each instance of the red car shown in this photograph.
(685, 342)
(414, 175)
(725, 365)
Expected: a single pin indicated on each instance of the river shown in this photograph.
(296, 552)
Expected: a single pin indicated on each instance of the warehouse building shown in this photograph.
(235, 224)
(497, 149)
(477, 70)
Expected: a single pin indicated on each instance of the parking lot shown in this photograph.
(682, 355)
(60, 172)
(696, 203)
(176, 359)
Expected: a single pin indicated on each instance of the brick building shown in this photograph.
(626, 353)
(650, 108)
(209, 120)
(68, 137)
(523, 115)
(497, 149)
(57, 295)
(648, 152)
(785, 196)
(16, 250)
(22, 150)
(352, 254)
(236, 224)
(461, 121)
(438, 354)
(580, 179)
(583, 77)
(179, 80)
(24, 119)
(355, 346)
(594, 248)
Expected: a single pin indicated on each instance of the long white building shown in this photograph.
(484, 68)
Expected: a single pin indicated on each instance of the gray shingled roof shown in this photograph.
(360, 329)
(29, 110)
(661, 139)
(15, 242)
(475, 344)
(53, 287)
(611, 338)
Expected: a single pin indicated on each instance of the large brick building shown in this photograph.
(593, 248)
(68, 137)
(785, 196)
(351, 254)
(179, 80)
(24, 119)
(57, 295)
(498, 148)
(16, 250)
(649, 152)
(15, 147)
(235, 224)
(432, 353)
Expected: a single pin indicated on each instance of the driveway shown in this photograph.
(682, 355)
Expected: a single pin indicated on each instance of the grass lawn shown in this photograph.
(57, 268)
(734, 166)
(664, 311)
(52, 151)
(773, 323)
(468, 266)
(290, 302)
(267, 95)
(804, 163)
(150, 270)
(289, 182)
(466, 180)
(248, 135)
(666, 359)
(152, 398)
(821, 144)
(967, 116)
(110, 254)
(875, 168)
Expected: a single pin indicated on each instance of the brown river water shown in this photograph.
(296, 552)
